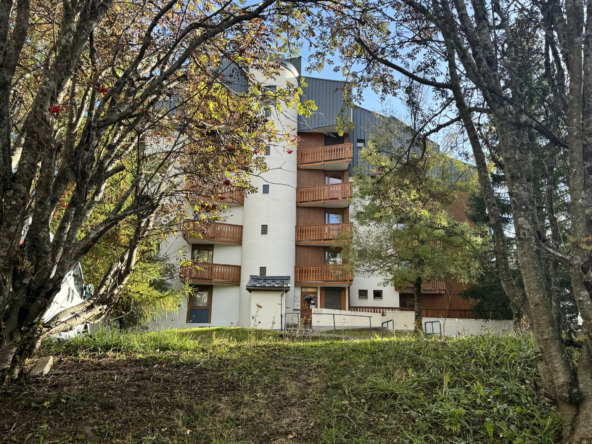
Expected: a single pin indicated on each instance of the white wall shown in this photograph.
(404, 321)
(266, 309)
(471, 327)
(225, 302)
(276, 251)
(227, 254)
(390, 296)
(344, 319)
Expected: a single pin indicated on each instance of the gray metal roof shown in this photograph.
(268, 283)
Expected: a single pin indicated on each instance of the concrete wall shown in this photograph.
(267, 308)
(471, 327)
(404, 321)
(321, 319)
(390, 296)
(276, 250)
(225, 302)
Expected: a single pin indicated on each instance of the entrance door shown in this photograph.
(309, 301)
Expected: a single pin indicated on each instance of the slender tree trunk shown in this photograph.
(417, 305)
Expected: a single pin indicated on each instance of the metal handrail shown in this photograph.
(327, 314)
(382, 327)
(425, 325)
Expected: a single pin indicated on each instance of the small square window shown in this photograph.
(362, 294)
(263, 229)
(267, 150)
(265, 189)
(263, 271)
(377, 294)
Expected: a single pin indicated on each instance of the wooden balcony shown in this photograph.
(221, 194)
(323, 275)
(332, 157)
(328, 196)
(206, 273)
(321, 234)
(215, 232)
(429, 287)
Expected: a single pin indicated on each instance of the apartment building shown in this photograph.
(273, 255)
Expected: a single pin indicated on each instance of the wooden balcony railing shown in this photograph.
(206, 273)
(426, 313)
(324, 194)
(325, 155)
(428, 287)
(215, 232)
(323, 275)
(222, 194)
(320, 234)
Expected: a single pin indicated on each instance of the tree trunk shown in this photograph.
(417, 305)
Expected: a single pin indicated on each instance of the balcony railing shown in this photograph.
(325, 155)
(222, 194)
(320, 234)
(215, 232)
(323, 275)
(428, 287)
(426, 313)
(206, 273)
(325, 194)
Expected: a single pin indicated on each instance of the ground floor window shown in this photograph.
(199, 307)
(406, 301)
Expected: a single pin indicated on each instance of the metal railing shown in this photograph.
(387, 323)
(425, 328)
(300, 314)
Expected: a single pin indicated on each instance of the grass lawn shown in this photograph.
(244, 386)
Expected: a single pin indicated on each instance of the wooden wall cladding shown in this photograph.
(443, 301)
(310, 256)
(307, 217)
(311, 140)
(310, 178)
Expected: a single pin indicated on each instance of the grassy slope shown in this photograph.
(237, 385)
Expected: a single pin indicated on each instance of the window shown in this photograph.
(360, 144)
(377, 294)
(334, 178)
(208, 211)
(202, 253)
(334, 139)
(267, 150)
(362, 294)
(406, 301)
(333, 256)
(265, 189)
(262, 271)
(334, 216)
(263, 229)
(199, 307)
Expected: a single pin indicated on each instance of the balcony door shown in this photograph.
(333, 256)
(334, 216)
(202, 253)
(199, 307)
(333, 177)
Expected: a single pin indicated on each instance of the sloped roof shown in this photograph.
(268, 283)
